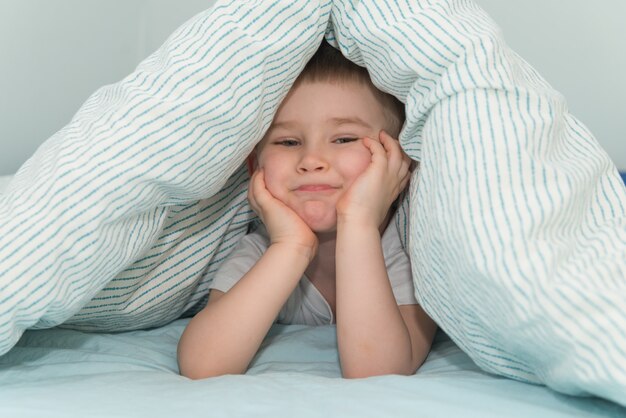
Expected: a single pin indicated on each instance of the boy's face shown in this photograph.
(313, 150)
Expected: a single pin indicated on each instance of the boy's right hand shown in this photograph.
(283, 225)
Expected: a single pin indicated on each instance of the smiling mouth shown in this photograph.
(315, 188)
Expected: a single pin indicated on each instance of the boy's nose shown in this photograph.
(312, 162)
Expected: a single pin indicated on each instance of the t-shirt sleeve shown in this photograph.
(398, 267)
(247, 252)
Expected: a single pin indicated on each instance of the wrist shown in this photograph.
(354, 220)
(304, 251)
(358, 227)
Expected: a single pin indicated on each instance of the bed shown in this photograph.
(111, 232)
(64, 373)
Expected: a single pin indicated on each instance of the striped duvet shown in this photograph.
(515, 223)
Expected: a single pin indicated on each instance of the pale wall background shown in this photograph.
(55, 53)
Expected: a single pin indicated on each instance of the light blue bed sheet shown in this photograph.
(65, 373)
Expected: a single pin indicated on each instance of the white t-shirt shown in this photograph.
(306, 305)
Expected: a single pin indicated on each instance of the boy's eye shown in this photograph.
(287, 142)
(345, 140)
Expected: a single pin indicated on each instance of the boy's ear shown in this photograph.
(251, 162)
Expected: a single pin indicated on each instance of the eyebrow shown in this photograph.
(285, 124)
(351, 120)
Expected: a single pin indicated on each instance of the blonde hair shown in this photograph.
(329, 65)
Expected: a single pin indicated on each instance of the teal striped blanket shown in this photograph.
(515, 223)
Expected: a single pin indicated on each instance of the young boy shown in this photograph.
(326, 174)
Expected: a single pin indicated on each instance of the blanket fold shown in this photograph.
(515, 222)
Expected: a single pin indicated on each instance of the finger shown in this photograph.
(405, 166)
(407, 162)
(252, 191)
(383, 138)
(405, 181)
(392, 145)
(395, 154)
(388, 141)
(260, 195)
(376, 148)
(401, 186)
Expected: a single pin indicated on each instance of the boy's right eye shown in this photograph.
(287, 142)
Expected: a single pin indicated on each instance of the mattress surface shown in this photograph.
(66, 373)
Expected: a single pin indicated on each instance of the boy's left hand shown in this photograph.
(369, 198)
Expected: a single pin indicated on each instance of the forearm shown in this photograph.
(372, 336)
(224, 337)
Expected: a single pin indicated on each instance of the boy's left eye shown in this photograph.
(345, 140)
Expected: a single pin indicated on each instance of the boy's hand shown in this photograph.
(369, 198)
(283, 225)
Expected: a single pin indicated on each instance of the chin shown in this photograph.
(320, 216)
(324, 230)
(321, 226)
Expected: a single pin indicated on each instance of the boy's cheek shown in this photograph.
(358, 163)
(272, 183)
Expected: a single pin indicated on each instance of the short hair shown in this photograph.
(329, 65)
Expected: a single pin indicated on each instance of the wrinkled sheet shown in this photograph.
(66, 373)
